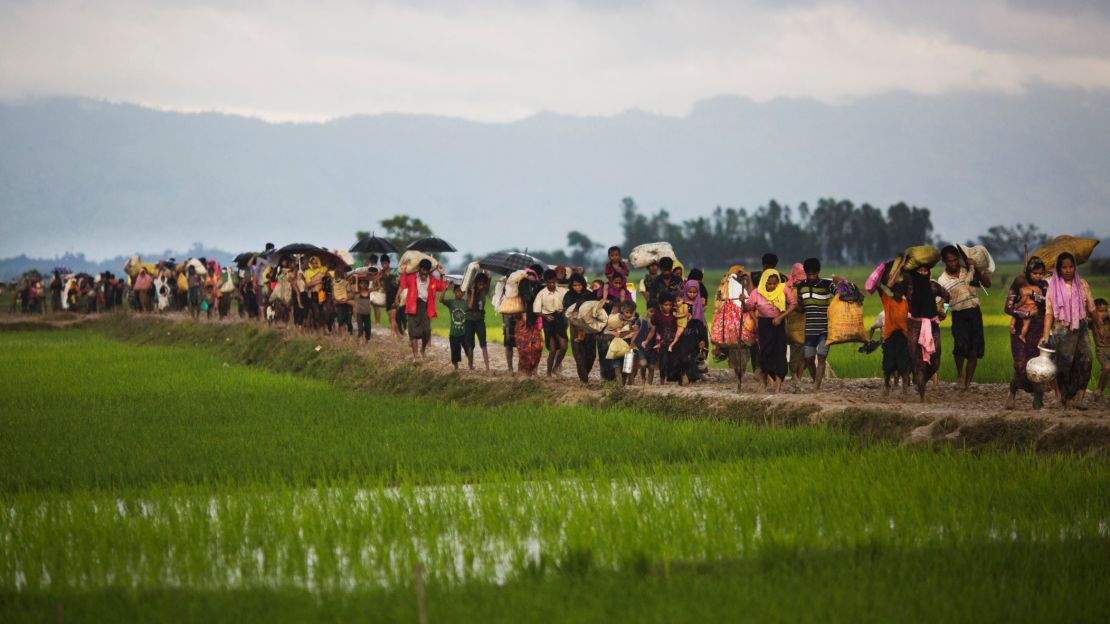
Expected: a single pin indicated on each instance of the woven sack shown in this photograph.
(796, 327)
(845, 322)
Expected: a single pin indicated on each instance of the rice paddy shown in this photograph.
(157, 483)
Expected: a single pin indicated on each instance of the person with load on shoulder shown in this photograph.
(420, 290)
(968, 343)
(814, 294)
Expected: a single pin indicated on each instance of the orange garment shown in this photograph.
(895, 314)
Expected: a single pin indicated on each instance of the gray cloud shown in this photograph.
(506, 60)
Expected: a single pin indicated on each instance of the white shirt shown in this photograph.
(549, 301)
(963, 295)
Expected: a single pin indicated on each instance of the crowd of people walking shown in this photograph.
(778, 323)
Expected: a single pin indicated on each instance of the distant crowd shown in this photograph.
(780, 323)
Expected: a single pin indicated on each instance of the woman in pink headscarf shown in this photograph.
(1068, 307)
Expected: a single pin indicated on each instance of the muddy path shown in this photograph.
(949, 414)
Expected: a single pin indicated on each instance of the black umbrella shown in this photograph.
(506, 262)
(431, 244)
(330, 260)
(373, 244)
(303, 249)
(244, 258)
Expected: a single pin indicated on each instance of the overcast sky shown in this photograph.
(501, 61)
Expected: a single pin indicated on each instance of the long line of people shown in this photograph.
(781, 324)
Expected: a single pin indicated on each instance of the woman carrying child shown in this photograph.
(583, 346)
(1068, 306)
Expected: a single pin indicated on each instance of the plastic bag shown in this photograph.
(618, 348)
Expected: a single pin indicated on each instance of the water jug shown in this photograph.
(1041, 369)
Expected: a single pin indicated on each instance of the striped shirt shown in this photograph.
(814, 296)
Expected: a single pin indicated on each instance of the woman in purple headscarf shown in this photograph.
(1027, 322)
(1068, 307)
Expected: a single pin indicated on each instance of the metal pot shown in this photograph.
(1041, 369)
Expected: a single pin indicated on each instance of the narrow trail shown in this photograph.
(945, 414)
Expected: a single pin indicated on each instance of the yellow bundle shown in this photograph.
(845, 322)
(1081, 248)
(796, 327)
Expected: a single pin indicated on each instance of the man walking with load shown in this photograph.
(968, 343)
(814, 294)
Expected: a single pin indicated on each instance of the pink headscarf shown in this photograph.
(697, 306)
(1067, 308)
(797, 274)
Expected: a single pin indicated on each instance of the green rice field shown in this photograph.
(996, 367)
(156, 483)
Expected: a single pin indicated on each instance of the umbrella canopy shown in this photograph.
(303, 249)
(507, 262)
(373, 244)
(243, 259)
(330, 260)
(345, 256)
(431, 244)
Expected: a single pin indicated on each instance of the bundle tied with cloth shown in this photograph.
(589, 316)
(410, 261)
(510, 301)
(644, 255)
(727, 328)
(1081, 248)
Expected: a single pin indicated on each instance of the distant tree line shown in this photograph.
(837, 231)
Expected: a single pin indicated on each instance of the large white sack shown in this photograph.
(980, 255)
(469, 274)
(410, 261)
(643, 255)
(589, 316)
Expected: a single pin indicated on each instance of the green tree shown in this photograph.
(401, 230)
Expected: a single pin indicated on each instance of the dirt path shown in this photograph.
(982, 402)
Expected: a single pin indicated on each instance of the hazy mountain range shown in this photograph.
(108, 179)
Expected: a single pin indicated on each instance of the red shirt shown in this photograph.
(408, 281)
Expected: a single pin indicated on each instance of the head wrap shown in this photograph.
(1067, 307)
(776, 297)
(697, 305)
(797, 274)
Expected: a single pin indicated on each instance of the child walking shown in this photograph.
(363, 309)
(1102, 343)
(456, 309)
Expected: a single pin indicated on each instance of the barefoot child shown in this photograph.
(628, 329)
(1027, 302)
(1102, 343)
(456, 309)
(363, 309)
(896, 350)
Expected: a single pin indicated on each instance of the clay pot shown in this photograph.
(1041, 369)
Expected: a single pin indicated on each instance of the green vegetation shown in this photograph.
(154, 483)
